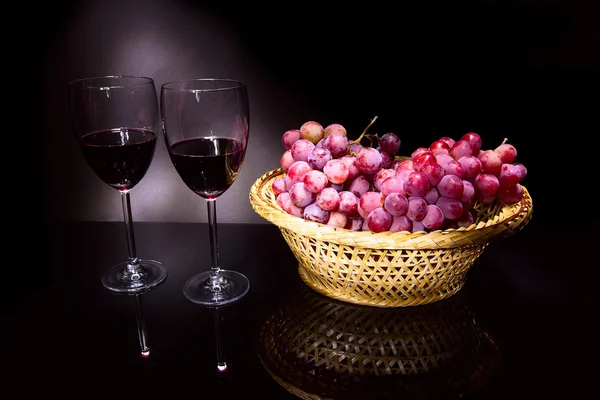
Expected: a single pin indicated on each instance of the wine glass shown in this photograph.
(206, 125)
(115, 119)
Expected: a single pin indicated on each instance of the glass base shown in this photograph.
(150, 274)
(208, 290)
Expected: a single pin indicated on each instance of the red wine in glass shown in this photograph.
(120, 157)
(208, 165)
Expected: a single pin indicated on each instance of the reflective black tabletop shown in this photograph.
(519, 328)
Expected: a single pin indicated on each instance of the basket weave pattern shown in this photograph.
(387, 269)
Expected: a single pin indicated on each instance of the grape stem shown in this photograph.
(364, 132)
(504, 141)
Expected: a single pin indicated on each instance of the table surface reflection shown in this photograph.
(518, 329)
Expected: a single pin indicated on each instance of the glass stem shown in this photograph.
(141, 325)
(133, 263)
(214, 243)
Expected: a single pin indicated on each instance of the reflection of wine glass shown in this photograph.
(141, 326)
(115, 120)
(205, 125)
(316, 347)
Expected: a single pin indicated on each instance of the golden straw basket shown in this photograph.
(387, 269)
(318, 348)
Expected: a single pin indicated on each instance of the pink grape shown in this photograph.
(368, 202)
(453, 167)
(417, 209)
(336, 170)
(452, 208)
(511, 194)
(507, 153)
(288, 183)
(368, 160)
(278, 186)
(443, 158)
(313, 212)
(417, 226)
(289, 137)
(359, 185)
(474, 141)
(416, 184)
(491, 162)
(393, 185)
(282, 198)
(434, 172)
(523, 171)
(471, 165)
(354, 224)
(355, 147)
(434, 219)
(487, 184)
(315, 181)
(379, 220)
(381, 176)
(451, 186)
(335, 129)
(390, 143)
(468, 193)
(300, 196)
(348, 204)
(337, 219)
(337, 145)
(432, 196)
(405, 164)
(320, 143)
(423, 158)
(301, 148)
(400, 224)
(318, 157)
(365, 225)
(403, 174)
(396, 204)
(297, 170)
(312, 131)
(509, 175)
(460, 148)
(293, 209)
(328, 199)
(350, 162)
(286, 160)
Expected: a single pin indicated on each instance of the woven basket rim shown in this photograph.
(510, 218)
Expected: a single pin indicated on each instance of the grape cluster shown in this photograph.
(336, 181)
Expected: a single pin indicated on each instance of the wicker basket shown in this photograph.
(319, 348)
(387, 269)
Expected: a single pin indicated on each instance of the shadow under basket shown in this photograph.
(387, 269)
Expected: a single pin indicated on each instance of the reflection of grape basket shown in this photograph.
(387, 269)
(318, 348)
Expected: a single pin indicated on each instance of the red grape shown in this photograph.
(337, 219)
(451, 186)
(300, 196)
(328, 199)
(396, 204)
(400, 224)
(348, 204)
(336, 170)
(417, 184)
(486, 184)
(460, 149)
(313, 212)
(315, 181)
(417, 209)
(278, 186)
(379, 220)
(491, 162)
(368, 160)
(301, 148)
(474, 141)
(318, 156)
(335, 129)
